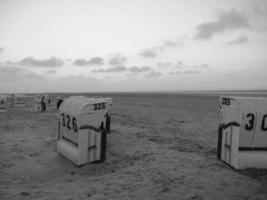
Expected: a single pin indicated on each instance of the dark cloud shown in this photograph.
(11, 73)
(139, 69)
(164, 64)
(240, 40)
(51, 62)
(110, 70)
(16, 79)
(151, 52)
(117, 69)
(117, 59)
(80, 62)
(93, 61)
(153, 74)
(96, 61)
(226, 20)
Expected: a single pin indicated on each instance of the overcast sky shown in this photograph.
(140, 45)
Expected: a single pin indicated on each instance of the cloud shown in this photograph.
(182, 69)
(186, 72)
(93, 61)
(200, 67)
(164, 64)
(191, 72)
(13, 74)
(139, 69)
(110, 70)
(80, 62)
(96, 61)
(151, 52)
(165, 45)
(20, 80)
(153, 74)
(226, 20)
(258, 13)
(148, 54)
(179, 64)
(77, 78)
(169, 43)
(240, 40)
(117, 59)
(134, 69)
(2, 49)
(117, 69)
(205, 66)
(98, 70)
(52, 71)
(51, 62)
(175, 73)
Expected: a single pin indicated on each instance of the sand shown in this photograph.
(160, 147)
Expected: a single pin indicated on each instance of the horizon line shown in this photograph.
(149, 91)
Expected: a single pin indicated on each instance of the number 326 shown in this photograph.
(69, 123)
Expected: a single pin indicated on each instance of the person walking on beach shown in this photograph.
(43, 104)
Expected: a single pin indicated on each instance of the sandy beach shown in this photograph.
(161, 146)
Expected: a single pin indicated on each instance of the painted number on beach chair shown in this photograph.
(226, 101)
(99, 106)
(251, 119)
(71, 122)
(264, 123)
(250, 125)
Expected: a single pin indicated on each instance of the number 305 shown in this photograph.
(69, 122)
(251, 122)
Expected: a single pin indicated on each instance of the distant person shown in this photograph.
(49, 101)
(43, 104)
(59, 102)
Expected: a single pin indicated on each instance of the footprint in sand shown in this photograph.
(8, 165)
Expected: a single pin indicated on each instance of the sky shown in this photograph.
(140, 45)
